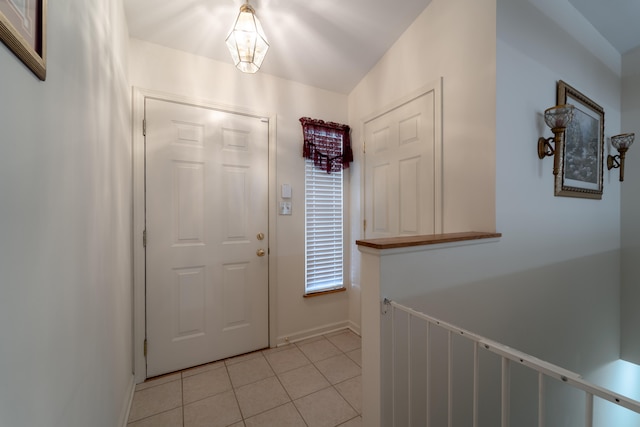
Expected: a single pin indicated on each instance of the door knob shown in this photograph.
(260, 252)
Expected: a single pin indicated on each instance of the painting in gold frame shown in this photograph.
(581, 161)
(23, 31)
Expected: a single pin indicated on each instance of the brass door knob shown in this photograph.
(260, 252)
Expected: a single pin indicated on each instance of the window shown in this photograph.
(324, 238)
(327, 148)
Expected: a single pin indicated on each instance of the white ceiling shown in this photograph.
(616, 20)
(324, 43)
(329, 44)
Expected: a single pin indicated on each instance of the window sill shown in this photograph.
(331, 291)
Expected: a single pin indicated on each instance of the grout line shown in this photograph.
(182, 394)
(298, 411)
(235, 396)
(152, 415)
(345, 398)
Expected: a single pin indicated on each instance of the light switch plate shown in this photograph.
(285, 208)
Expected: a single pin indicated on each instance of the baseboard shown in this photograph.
(311, 333)
(126, 405)
(354, 327)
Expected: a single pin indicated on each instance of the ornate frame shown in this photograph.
(582, 153)
(23, 30)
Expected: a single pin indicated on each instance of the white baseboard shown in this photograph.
(126, 404)
(316, 332)
(354, 328)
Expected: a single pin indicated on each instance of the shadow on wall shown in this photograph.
(545, 312)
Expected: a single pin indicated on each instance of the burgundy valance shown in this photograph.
(327, 143)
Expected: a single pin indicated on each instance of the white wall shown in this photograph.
(454, 40)
(631, 210)
(533, 54)
(171, 71)
(65, 225)
(550, 286)
(558, 256)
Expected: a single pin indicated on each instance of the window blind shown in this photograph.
(324, 229)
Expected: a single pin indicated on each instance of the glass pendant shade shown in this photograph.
(246, 41)
(623, 141)
(559, 116)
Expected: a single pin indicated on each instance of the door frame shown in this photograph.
(435, 86)
(139, 95)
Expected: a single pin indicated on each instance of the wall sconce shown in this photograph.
(557, 118)
(622, 143)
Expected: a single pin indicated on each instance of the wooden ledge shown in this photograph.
(330, 291)
(428, 239)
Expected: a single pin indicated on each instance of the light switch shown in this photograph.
(285, 208)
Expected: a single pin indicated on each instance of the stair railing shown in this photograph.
(508, 356)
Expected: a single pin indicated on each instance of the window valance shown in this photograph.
(327, 143)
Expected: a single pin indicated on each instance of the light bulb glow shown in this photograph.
(246, 41)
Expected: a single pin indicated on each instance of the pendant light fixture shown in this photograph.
(246, 41)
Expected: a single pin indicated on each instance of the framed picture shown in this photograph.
(582, 153)
(23, 29)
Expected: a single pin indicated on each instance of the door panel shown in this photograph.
(206, 201)
(400, 169)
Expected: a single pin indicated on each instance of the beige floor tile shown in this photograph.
(208, 383)
(325, 408)
(238, 424)
(356, 422)
(351, 390)
(356, 356)
(154, 400)
(309, 340)
(338, 368)
(278, 349)
(319, 350)
(243, 357)
(261, 396)
(202, 368)
(249, 371)
(303, 381)
(345, 340)
(158, 381)
(287, 360)
(220, 410)
(283, 416)
(171, 418)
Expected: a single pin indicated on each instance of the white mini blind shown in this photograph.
(324, 229)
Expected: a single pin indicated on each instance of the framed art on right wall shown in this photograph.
(23, 29)
(583, 148)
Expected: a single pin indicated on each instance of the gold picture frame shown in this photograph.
(581, 156)
(23, 30)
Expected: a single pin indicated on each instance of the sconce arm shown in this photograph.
(613, 162)
(617, 161)
(545, 148)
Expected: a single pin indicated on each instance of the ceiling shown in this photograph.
(330, 44)
(616, 20)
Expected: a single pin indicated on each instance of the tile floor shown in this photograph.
(316, 382)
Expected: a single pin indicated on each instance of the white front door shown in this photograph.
(207, 235)
(402, 164)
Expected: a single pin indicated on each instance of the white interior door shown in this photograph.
(207, 235)
(402, 169)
